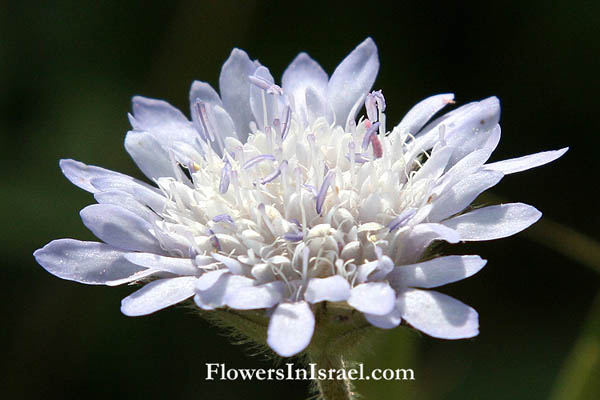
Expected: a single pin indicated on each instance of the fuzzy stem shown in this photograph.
(331, 389)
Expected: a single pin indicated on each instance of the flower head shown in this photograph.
(278, 198)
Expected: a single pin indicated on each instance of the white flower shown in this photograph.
(277, 198)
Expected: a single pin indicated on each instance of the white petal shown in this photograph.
(333, 288)
(353, 78)
(163, 121)
(304, 73)
(527, 162)
(91, 263)
(412, 244)
(438, 315)
(494, 222)
(458, 197)
(235, 90)
(128, 202)
(387, 321)
(216, 295)
(149, 155)
(120, 228)
(291, 328)
(435, 165)
(234, 266)
(157, 295)
(174, 265)
(373, 298)
(422, 112)
(254, 297)
(436, 272)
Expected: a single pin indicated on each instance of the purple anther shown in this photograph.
(367, 138)
(286, 123)
(293, 236)
(359, 158)
(257, 159)
(371, 106)
(323, 191)
(225, 177)
(310, 188)
(295, 221)
(270, 177)
(223, 218)
(201, 129)
(214, 240)
(265, 85)
(401, 219)
(206, 125)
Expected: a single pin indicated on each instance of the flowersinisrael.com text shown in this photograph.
(215, 371)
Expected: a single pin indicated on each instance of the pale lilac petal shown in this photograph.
(163, 121)
(157, 295)
(81, 174)
(149, 155)
(208, 279)
(494, 222)
(387, 321)
(303, 74)
(438, 315)
(235, 90)
(436, 272)
(422, 112)
(202, 91)
(257, 95)
(333, 288)
(91, 263)
(128, 202)
(254, 297)
(376, 298)
(291, 328)
(145, 194)
(527, 162)
(460, 126)
(458, 197)
(224, 127)
(120, 228)
(174, 265)
(353, 78)
(216, 295)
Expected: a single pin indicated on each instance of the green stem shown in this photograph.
(331, 389)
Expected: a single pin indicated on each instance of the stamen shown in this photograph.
(265, 85)
(257, 159)
(222, 218)
(368, 134)
(401, 219)
(225, 177)
(323, 191)
(286, 124)
(271, 176)
(293, 236)
(214, 240)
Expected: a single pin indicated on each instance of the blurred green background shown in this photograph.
(68, 70)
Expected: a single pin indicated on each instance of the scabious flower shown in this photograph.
(278, 198)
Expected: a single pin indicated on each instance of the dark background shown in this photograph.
(68, 70)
